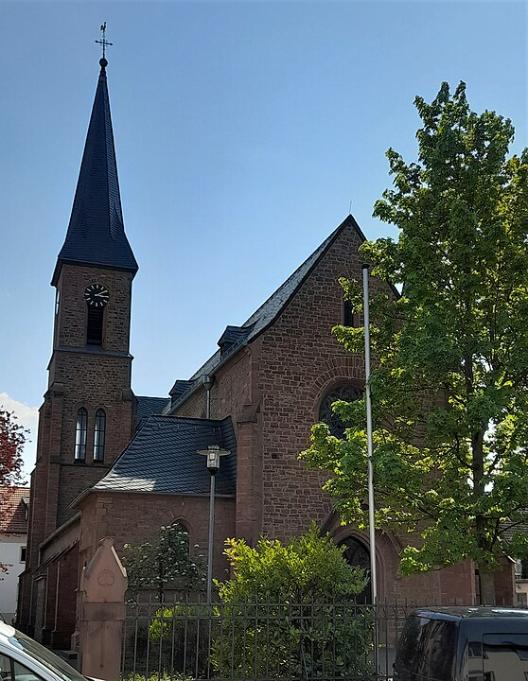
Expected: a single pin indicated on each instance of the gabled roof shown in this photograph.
(162, 458)
(96, 233)
(266, 313)
(14, 505)
(508, 530)
(148, 406)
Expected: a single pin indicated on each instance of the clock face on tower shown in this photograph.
(96, 295)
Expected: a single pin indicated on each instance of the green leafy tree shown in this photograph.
(287, 612)
(163, 562)
(450, 385)
(13, 437)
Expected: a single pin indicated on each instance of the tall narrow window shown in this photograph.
(348, 313)
(99, 435)
(80, 434)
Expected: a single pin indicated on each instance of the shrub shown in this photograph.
(288, 612)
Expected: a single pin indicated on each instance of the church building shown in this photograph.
(110, 463)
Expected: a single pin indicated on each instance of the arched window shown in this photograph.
(348, 393)
(80, 434)
(357, 554)
(99, 435)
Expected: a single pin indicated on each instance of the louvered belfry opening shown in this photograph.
(94, 327)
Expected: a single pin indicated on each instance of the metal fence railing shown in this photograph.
(181, 641)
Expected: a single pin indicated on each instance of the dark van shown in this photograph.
(463, 644)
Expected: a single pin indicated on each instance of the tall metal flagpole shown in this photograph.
(370, 481)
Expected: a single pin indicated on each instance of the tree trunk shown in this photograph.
(487, 586)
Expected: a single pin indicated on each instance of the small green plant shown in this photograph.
(165, 676)
(176, 618)
(180, 637)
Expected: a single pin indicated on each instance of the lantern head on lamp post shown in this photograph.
(212, 454)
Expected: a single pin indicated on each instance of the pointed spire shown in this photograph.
(96, 233)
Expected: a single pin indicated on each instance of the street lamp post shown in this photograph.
(212, 454)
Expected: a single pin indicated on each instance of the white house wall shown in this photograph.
(10, 553)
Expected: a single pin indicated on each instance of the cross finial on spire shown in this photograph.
(104, 42)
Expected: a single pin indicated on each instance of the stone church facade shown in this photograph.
(110, 463)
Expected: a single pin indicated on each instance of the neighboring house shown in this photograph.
(113, 464)
(521, 583)
(14, 507)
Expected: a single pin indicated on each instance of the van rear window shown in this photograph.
(505, 657)
(427, 648)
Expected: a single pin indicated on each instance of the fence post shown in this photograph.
(102, 612)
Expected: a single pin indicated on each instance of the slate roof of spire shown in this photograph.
(96, 233)
(263, 316)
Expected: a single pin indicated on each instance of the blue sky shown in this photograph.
(244, 131)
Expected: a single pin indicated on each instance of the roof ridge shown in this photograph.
(284, 284)
(176, 419)
(266, 313)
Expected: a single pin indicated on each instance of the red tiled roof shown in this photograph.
(14, 505)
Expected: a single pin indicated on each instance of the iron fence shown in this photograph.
(180, 641)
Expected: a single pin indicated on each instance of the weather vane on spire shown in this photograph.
(104, 42)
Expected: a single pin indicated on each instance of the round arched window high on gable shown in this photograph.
(348, 393)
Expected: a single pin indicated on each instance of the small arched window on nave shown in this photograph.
(81, 427)
(347, 393)
(99, 435)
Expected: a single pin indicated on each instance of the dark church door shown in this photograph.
(357, 555)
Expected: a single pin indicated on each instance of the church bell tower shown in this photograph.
(86, 418)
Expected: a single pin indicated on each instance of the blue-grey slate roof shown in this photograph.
(180, 386)
(266, 313)
(96, 233)
(148, 406)
(162, 458)
(232, 336)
